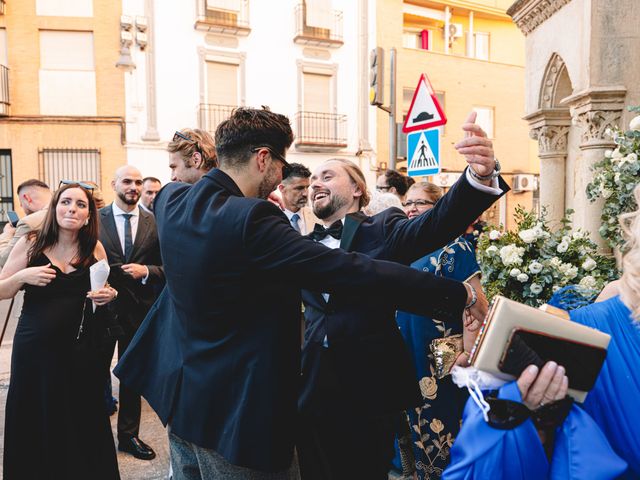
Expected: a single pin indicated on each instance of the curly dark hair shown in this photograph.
(248, 128)
(397, 180)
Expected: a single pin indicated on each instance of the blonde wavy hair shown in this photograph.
(630, 280)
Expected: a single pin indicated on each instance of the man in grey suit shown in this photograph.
(129, 236)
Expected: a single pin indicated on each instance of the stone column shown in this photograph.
(552, 151)
(593, 111)
(550, 127)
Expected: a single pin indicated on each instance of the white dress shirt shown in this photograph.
(119, 219)
(301, 223)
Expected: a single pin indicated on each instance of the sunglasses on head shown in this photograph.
(507, 414)
(177, 136)
(286, 168)
(83, 185)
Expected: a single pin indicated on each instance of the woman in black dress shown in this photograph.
(55, 421)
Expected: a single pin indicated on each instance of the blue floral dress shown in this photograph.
(435, 424)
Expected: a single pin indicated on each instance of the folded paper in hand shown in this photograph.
(99, 272)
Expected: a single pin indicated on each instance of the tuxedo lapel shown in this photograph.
(142, 233)
(109, 225)
(351, 224)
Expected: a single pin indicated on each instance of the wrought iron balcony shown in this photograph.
(210, 116)
(4, 91)
(322, 131)
(316, 36)
(223, 16)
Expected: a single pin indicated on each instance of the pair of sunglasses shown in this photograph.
(83, 185)
(179, 135)
(507, 414)
(286, 168)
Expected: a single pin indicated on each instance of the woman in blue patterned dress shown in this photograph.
(436, 422)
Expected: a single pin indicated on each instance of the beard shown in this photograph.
(268, 183)
(129, 201)
(334, 204)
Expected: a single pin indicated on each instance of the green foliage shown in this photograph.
(615, 177)
(529, 264)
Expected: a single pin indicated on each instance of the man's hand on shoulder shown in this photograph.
(477, 148)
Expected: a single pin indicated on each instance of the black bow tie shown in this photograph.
(319, 232)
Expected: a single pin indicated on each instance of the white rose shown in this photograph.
(588, 282)
(578, 234)
(535, 267)
(527, 236)
(523, 277)
(511, 255)
(631, 158)
(607, 153)
(494, 235)
(572, 272)
(616, 154)
(562, 247)
(515, 272)
(634, 124)
(566, 239)
(491, 249)
(589, 264)
(538, 231)
(555, 262)
(535, 288)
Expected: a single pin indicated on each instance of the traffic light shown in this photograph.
(376, 76)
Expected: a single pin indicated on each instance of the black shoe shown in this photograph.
(137, 448)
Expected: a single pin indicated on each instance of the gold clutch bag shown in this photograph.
(515, 335)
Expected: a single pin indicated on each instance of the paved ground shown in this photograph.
(151, 430)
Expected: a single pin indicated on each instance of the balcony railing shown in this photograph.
(320, 130)
(223, 16)
(210, 116)
(4, 91)
(316, 36)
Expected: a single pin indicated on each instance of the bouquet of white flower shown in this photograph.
(529, 264)
(615, 177)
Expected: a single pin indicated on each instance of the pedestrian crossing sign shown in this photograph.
(423, 153)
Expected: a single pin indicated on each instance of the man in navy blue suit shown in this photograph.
(218, 356)
(357, 374)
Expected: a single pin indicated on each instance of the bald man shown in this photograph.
(129, 236)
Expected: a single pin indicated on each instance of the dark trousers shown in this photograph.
(129, 402)
(346, 447)
(129, 411)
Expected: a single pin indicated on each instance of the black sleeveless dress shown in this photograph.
(56, 425)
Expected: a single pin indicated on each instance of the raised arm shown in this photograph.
(15, 272)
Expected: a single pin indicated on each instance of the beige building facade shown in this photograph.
(580, 74)
(474, 56)
(61, 96)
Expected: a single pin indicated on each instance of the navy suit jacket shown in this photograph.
(367, 367)
(218, 356)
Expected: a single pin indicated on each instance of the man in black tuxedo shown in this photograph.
(129, 236)
(357, 373)
(218, 356)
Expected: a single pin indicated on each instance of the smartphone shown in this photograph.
(13, 218)
(582, 362)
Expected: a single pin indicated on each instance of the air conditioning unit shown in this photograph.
(445, 179)
(524, 183)
(455, 30)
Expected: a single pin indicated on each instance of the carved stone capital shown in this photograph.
(552, 140)
(594, 123)
(530, 14)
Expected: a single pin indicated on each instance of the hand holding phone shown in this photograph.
(13, 218)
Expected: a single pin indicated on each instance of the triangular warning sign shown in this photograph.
(425, 110)
(423, 156)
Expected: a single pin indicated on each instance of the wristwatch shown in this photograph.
(491, 176)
